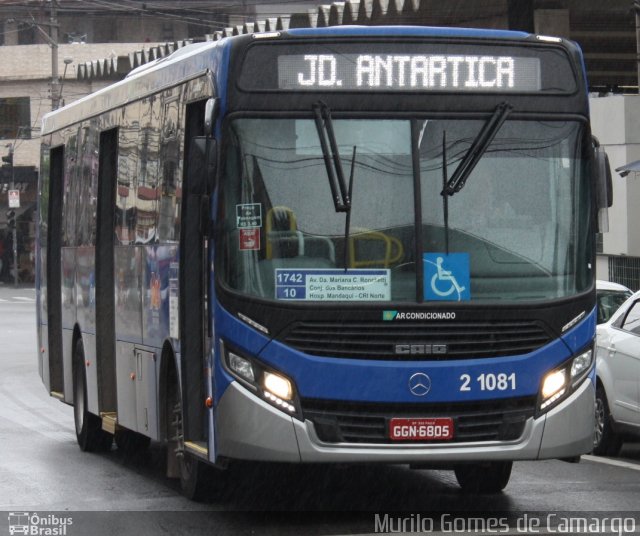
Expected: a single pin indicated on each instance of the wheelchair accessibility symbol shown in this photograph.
(446, 277)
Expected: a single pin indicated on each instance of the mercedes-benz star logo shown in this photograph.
(419, 384)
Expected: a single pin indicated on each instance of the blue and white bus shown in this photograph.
(349, 244)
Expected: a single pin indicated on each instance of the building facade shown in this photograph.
(616, 122)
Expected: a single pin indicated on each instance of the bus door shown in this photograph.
(104, 263)
(193, 279)
(53, 367)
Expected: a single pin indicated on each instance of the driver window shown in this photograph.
(632, 320)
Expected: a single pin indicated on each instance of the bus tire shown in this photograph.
(131, 443)
(89, 433)
(193, 473)
(195, 478)
(488, 477)
(605, 441)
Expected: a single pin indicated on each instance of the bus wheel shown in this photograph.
(131, 443)
(193, 474)
(605, 441)
(489, 477)
(89, 433)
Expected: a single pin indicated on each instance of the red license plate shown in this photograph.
(421, 429)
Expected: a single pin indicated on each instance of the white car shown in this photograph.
(610, 297)
(618, 378)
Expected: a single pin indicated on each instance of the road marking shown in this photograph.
(609, 461)
(18, 300)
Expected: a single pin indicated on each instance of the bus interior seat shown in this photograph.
(281, 233)
(285, 240)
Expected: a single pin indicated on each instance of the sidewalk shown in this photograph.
(24, 289)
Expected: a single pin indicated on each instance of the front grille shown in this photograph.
(346, 422)
(377, 340)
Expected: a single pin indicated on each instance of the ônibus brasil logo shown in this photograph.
(38, 525)
(389, 315)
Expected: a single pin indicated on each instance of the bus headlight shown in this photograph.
(559, 383)
(270, 385)
(241, 366)
(554, 384)
(277, 385)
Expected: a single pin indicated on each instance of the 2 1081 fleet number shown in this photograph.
(490, 382)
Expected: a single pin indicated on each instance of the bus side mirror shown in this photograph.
(603, 185)
(203, 154)
(210, 115)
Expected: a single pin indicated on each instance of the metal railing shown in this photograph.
(626, 271)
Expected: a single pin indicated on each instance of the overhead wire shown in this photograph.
(117, 7)
(219, 7)
(161, 11)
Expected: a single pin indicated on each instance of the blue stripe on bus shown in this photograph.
(578, 337)
(387, 381)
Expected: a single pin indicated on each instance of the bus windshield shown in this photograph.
(521, 222)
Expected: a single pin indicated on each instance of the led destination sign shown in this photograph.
(408, 72)
(406, 67)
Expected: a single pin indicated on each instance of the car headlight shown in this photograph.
(270, 385)
(561, 382)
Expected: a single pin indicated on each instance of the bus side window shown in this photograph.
(70, 197)
(170, 169)
(126, 209)
(87, 185)
(147, 187)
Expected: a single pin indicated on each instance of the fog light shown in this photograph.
(278, 386)
(581, 363)
(280, 403)
(241, 366)
(553, 383)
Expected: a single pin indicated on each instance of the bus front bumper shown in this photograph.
(250, 429)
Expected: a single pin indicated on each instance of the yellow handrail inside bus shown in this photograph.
(390, 258)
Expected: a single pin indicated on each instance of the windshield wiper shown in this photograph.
(478, 148)
(335, 174)
(347, 222)
(339, 192)
(445, 199)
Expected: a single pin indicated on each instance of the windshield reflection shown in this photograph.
(521, 222)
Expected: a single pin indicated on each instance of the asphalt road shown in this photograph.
(43, 473)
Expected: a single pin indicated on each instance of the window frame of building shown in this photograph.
(15, 118)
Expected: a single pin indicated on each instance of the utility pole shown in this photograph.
(52, 39)
(636, 8)
(15, 227)
(55, 82)
(11, 219)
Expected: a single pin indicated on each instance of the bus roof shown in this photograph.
(407, 31)
(151, 78)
